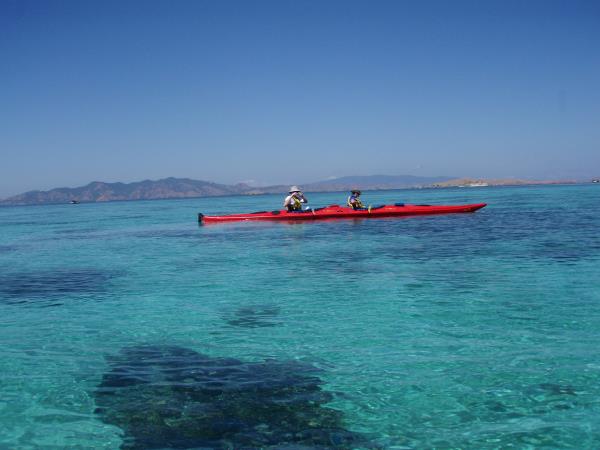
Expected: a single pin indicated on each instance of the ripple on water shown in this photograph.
(173, 397)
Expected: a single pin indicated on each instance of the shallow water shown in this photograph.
(469, 331)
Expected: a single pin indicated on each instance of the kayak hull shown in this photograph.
(342, 212)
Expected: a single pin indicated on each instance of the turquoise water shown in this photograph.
(127, 325)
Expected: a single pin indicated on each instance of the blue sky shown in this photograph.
(296, 91)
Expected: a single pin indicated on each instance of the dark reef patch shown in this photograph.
(7, 248)
(76, 233)
(173, 397)
(253, 316)
(51, 285)
(547, 390)
(166, 233)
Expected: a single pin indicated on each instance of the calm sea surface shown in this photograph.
(127, 325)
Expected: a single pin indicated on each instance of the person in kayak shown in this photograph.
(354, 200)
(294, 201)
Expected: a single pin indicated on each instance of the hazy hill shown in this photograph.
(367, 182)
(371, 182)
(141, 190)
(187, 188)
(462, 182)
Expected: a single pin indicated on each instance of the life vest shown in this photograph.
(354, 202)
(296, 203)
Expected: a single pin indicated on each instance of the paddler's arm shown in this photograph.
(287, 201)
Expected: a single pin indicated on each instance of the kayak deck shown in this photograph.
(343, 212)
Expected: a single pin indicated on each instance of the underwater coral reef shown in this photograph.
(173, 397)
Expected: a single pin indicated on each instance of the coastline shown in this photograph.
(342, 191)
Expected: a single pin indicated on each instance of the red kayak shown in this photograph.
(343, 212)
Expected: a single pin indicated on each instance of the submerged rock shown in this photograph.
(173, 397)
(254, 316)
(49, 285)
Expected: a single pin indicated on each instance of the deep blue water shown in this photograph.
(127, 325)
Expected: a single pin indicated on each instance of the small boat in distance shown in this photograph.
(343, 212)
(74, 202)
(596, 180)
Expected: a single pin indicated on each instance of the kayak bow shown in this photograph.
(342, 212)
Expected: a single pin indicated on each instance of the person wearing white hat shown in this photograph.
(294, 201)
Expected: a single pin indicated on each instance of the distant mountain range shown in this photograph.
(187, 188)
(368, 182)
(371, 182)
(98, 191)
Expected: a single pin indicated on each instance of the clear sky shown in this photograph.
(295, 91)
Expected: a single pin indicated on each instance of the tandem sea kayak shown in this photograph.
(343, 212)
